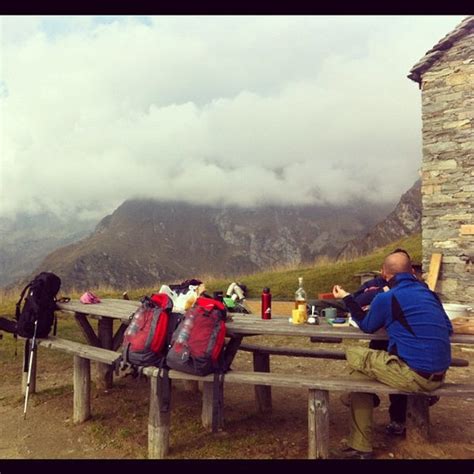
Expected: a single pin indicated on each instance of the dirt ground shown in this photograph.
(118, 427)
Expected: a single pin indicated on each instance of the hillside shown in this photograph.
(318, 278)
(403, 221)
(321, 278)
(145, 241)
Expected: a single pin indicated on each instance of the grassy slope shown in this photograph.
(318, 278)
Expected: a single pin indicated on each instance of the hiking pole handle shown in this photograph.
(30, 369)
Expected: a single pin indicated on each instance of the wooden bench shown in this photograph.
(318, 404)
(83, 354)
(261, 363)
(318, 394)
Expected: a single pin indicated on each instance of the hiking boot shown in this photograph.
(351, 453)
(395, 429)
(346, 400)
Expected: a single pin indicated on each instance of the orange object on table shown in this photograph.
(325, 296)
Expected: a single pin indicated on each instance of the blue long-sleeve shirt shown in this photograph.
(418, 328)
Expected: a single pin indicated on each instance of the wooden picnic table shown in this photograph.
(239, 326)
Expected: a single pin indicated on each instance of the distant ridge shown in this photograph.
(147, 241)
(403, 221)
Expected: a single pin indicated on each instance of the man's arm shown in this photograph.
(379, 311)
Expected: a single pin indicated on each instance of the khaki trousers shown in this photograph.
(388, 369)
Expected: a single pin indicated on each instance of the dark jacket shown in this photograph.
(368, 291)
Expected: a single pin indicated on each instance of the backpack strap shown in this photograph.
(163, 373)
(217, 388)
(17, 310)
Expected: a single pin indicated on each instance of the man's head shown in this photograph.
(396, 262)
(398, 250)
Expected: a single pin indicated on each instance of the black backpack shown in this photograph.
(39, 305)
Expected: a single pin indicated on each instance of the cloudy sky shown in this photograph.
(217, 109)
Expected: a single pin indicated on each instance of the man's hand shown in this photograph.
(339, 292)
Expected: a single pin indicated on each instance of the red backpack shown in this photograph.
(146, 339)
(196, 345)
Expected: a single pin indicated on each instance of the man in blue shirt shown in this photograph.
(419, 350)
(398, 403)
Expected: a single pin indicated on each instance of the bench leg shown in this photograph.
(418, 419)
(82, 389)
(158, 422)
(263, 393)
(26, 363)
(105, 371)
(207, 406)
(318, 424)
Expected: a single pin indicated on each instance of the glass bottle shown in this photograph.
(300, 295)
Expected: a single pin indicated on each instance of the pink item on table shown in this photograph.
(89, 298)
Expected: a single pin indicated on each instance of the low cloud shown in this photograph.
(233, 110)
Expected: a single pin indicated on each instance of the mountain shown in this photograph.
(147, 241)
(27, 239)
(403, 221)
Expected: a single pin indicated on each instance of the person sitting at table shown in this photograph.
(398, 403)
(419, 350)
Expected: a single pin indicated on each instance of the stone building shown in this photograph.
(446, 78)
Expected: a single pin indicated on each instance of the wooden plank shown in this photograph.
(466, 229)
(330, 340)
(243, 324)
(318, 353)
(104, 371)
(76, 348)
(318, 424)
(108, 307)
(340, 383)
(82, 389)
(207, 406)
(263, 393)
(87, 330)
(158, 422)
(294, 351)
(435, 265)
(206, 413)
(418, 419)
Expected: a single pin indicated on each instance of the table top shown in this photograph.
(242, 324)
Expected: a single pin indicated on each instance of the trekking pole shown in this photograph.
(30, 369)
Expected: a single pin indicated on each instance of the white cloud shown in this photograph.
(210, 109)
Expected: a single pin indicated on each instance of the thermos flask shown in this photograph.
(266, 304)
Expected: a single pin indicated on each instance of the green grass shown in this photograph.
(320, 278)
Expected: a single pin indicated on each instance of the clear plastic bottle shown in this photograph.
(183, 335)
(300, 295)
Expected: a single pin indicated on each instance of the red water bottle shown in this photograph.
(266, 304)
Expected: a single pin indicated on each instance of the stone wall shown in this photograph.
(448, 169)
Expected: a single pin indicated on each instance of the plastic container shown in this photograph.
(458, 310)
